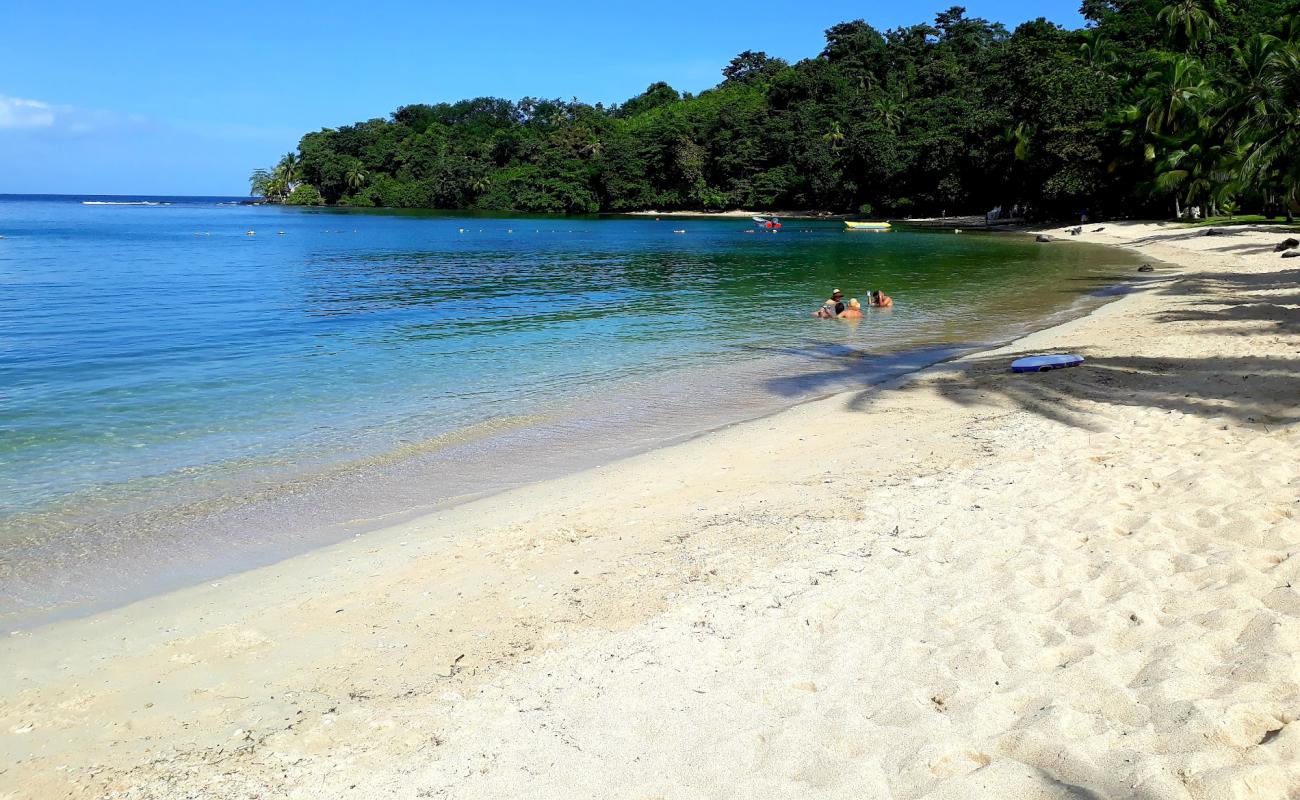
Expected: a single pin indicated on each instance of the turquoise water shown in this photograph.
(175, 392)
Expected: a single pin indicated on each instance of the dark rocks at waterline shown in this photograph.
(1146, 268)
(1291, 254)
(1042, 237)
(1214, 232)
(1286, 244)
(1099, 230)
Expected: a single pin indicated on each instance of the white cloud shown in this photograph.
(38, 118)
(15, 112)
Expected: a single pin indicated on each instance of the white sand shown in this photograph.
(1081, 584)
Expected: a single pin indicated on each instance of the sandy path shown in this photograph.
(1078, 584)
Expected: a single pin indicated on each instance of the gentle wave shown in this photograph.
(122, 203)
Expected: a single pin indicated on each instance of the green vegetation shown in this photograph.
(1152, 109)
(304, 195)
(281, 183)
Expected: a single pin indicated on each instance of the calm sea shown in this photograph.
(189, 386)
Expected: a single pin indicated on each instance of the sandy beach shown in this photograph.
(969, 583)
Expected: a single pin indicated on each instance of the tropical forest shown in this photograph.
(1175, 109)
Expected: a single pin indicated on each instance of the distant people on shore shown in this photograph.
(1016, 211)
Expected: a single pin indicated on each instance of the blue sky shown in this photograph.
(187, 98)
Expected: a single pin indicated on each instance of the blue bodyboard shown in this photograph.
(1045, 363)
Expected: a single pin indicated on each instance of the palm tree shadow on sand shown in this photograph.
(831, 368)
(1253, 390)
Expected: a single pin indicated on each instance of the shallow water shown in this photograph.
(179, 398)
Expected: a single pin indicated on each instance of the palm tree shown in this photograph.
(1191, 21)
(1251, 85)
(290, 166)
(1268, 120)
(1172, 103)
(259, 183)
(1096, 50)
(888, 110)
(1020, 137)
(355, 178)
(1174, 91)
(835, 136)
(1200, 164)
(285, 176)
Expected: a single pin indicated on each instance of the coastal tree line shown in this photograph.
(1153, 107)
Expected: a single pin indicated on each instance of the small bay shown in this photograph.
(190, 386)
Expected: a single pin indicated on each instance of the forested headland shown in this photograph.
(1153, 108)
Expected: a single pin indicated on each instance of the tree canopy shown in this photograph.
(1153, 106)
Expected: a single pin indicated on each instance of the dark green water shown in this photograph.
(177, 394)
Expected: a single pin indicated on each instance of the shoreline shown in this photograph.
(532, 631)
(321, 508)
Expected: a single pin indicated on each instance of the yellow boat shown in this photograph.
(867, 226)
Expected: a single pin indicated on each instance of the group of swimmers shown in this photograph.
(836, 308)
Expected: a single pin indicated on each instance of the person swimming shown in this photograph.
(881, 300)
(833, 307)
(854, 310)
(830, 311)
